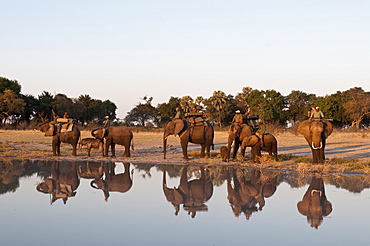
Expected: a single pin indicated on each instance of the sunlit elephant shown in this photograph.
(255, 143)
(202, 134)
(63, 183)
(237, 133)
(113, 182)
(192, 194)
(316, 132)
(70, 136)
(90, 172)
(115, 135)
(314, 204)
(240, 193)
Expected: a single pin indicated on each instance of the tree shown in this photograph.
(299, 104)
(44, 106)
(186, 103)
(357, 106)
(30, 109)
(268, 105)
(217, 102)
(241, 99)
(11, 106)
(142, 113)
(6, 84)
(166, 111)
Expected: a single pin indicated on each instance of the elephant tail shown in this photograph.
(213, 146)
(132, 144)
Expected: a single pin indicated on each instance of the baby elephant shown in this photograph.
(224, 153)
(92, 143)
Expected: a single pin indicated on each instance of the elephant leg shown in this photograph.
(202, 151)
(74, 151)
(88, 150)
(208, 150)
(184, 145)
(127, 151)
(106, 149)
(113, 149)
(236, 148)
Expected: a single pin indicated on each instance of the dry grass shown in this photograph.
(346, 152)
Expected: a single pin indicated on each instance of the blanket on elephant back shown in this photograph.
(54, 129)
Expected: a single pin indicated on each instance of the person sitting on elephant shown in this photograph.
(177, 115)
(316, 114)
(107, 122)
(238, 117)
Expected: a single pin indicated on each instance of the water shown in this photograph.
(140, 214)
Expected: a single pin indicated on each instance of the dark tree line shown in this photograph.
(347, 108)
(16, 108)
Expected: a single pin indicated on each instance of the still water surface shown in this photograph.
(57, 203)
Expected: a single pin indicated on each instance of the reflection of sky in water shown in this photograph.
(143, 216)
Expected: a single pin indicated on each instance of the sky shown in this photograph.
(124, 50)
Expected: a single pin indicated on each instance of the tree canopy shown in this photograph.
(351, 107)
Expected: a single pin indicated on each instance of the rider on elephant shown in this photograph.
(238, 117)
(316, 114)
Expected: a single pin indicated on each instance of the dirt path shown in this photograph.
(148, 149)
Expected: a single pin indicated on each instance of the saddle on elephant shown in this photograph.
(60, 127)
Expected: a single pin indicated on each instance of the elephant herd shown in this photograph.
(247, 190)
(239, 136)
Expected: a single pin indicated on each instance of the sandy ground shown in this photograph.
(148, 149)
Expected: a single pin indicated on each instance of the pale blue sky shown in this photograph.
(124, 50)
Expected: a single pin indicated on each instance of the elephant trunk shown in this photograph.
(164, 146)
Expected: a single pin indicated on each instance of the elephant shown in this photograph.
(314, 204)
(192, 194)
(92, 143)
(237, 132)
(255, 143)
(115, 135)
(63, 183)
(269, 144)
(316, 132)
(71, 136)
(90, 172)
(201, 133)
(224, 153)
(114, 182)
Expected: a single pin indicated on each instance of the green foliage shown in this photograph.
(348, 107)
(7, 84)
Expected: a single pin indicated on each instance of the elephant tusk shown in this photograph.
(313, 146)
(319, 191)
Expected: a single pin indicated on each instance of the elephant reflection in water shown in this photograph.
(63, 183)
(114, 182)
(243, 195)
(192, 194)
(90, 172)
(314, 204)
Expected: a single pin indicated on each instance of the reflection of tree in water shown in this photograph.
(353, 183)
(146, 168)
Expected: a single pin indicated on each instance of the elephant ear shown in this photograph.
(327, 208)
(179, 126)
(303, 208)
(304, 128)
(328, 128)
